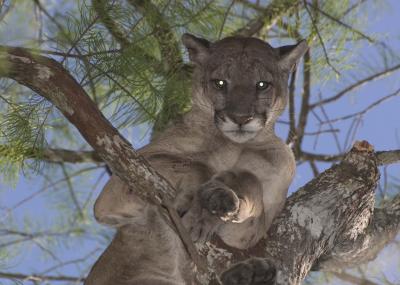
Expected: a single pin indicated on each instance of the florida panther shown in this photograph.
(233, 171)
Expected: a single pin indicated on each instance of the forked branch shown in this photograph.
(331, 220)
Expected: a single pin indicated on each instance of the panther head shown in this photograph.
(245, 81)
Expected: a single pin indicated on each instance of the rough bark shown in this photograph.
(49, 79)
(333, 209)
(330, 222)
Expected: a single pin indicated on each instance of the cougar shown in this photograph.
(232, 171)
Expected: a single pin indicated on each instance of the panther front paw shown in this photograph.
(219, 200)
(254, 271)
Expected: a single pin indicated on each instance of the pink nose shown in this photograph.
(241, 120)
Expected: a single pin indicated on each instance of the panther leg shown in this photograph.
(254, 271)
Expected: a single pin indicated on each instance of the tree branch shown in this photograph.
(170, 51)
(171, 61)
(383, 157)
(355, 85)
(362, 112)
(353, 279)
(304, 109)
(292, 112)
(40, 278)
(268, 17)
(334, 207)
(49, 79)
(382, 229)
(347, 26)
(53, 155)
(101, 8)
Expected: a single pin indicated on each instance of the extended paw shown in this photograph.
(254, 271)
(219, 200)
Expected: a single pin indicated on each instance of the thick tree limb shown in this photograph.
(383, 157)
(49, 79)
(382, 229)
(319, 220)
(330, 211)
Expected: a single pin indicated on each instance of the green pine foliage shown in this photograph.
(120, 58)
(134, 67)
(22, 134)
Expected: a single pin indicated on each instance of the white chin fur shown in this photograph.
(240, 137)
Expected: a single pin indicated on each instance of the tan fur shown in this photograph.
(195, 154)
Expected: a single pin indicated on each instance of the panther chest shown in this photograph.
(223, 157)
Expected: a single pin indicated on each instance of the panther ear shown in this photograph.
(291, 54)
(198, 48)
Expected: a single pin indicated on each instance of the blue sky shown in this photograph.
(380, 127)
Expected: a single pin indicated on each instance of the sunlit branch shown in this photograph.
(50, 80)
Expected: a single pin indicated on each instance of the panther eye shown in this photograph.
(219, 83)
(262, 85)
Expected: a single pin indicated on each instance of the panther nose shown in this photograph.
(241, 120)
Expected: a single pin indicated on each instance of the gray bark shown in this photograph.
(320, 219)
(329, 224)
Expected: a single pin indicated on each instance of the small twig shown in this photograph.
(225, 18)
(360, 113)
(314, 168)
(355, 85)
(100, 6)
(331, 127)
(304, 109)
(71, 191)
(371, 40)
(328, 61)
(291, 137)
